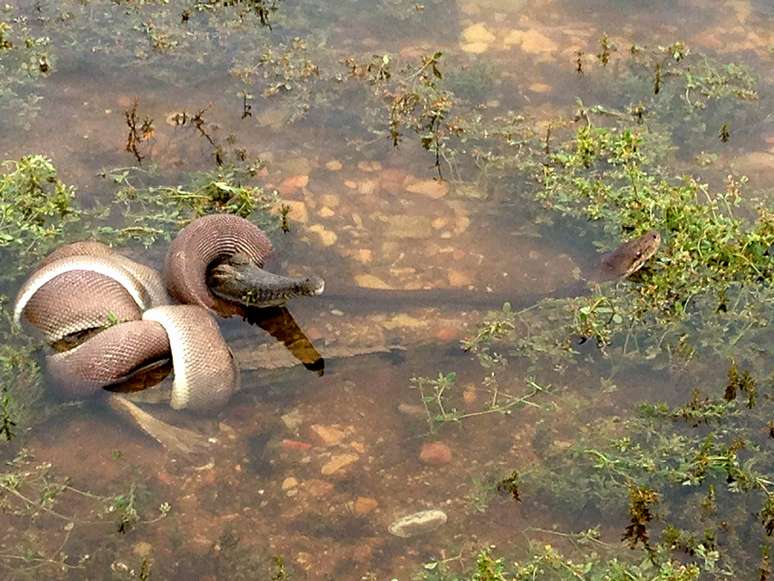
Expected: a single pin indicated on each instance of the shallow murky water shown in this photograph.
(315, 468)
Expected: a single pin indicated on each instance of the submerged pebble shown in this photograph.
(478, 33)
(435, 453)
(142, 549)
(327, 435)
(364, 505)
(370, 281)
(531, 42)
(413, 410)
(338, 462)
(369, 166)
(293, 184)
(327, 237)
(418, 523)
(431, 188)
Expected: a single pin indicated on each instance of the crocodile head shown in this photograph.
(629, 257)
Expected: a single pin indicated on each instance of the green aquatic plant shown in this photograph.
(24, 61)
(151, 213)
(159, 39)
(606, 48)
(683, 92)
(441, 397)
(413, 99)
(510, 485)
(487, 567)
(706, 284)
(38, 210)
(544, 561)
(663, 464)
(473, 82)
(33, 492)
(262, 9)
(287, 73)
(280, 572)
(713, 257)
(481, 492)
(21, 391)
(7, 422)
(139, 132)
(422, 105)
(442, 110)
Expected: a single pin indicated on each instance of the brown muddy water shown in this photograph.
(315, 469)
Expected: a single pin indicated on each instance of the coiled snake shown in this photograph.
(121, 317)
(109, 316)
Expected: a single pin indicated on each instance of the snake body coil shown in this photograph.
(203, 242)
(86, 287)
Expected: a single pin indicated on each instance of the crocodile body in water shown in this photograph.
(237, 280)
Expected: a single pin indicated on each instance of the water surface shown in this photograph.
(315, 468)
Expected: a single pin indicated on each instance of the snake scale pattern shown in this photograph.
(131, 316)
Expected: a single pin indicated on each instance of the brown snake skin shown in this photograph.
(107, 358)
(72, 313)
(198, 245)
(86, 286)
(209, 375)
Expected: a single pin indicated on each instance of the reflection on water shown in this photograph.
(313, 467)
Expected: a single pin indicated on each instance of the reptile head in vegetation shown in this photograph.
(630, 256)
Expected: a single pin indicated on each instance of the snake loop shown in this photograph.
(87, 287)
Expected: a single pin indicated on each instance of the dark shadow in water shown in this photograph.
(142, 378)
(259, 453)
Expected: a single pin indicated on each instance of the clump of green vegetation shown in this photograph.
(21, 389)
(473, 82)
(280, 572)
(262, 9)
(34, 491)
(286, 71)
(706, 284)
(609, 175)
(547, 562)
(24, 60)
(441, 397)
(695, 96)
(38, 211)
(692, 88)
(159, 38)
(510, 485)
(686, 94)
(662, 463)
(415, 98)
(150, 213)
